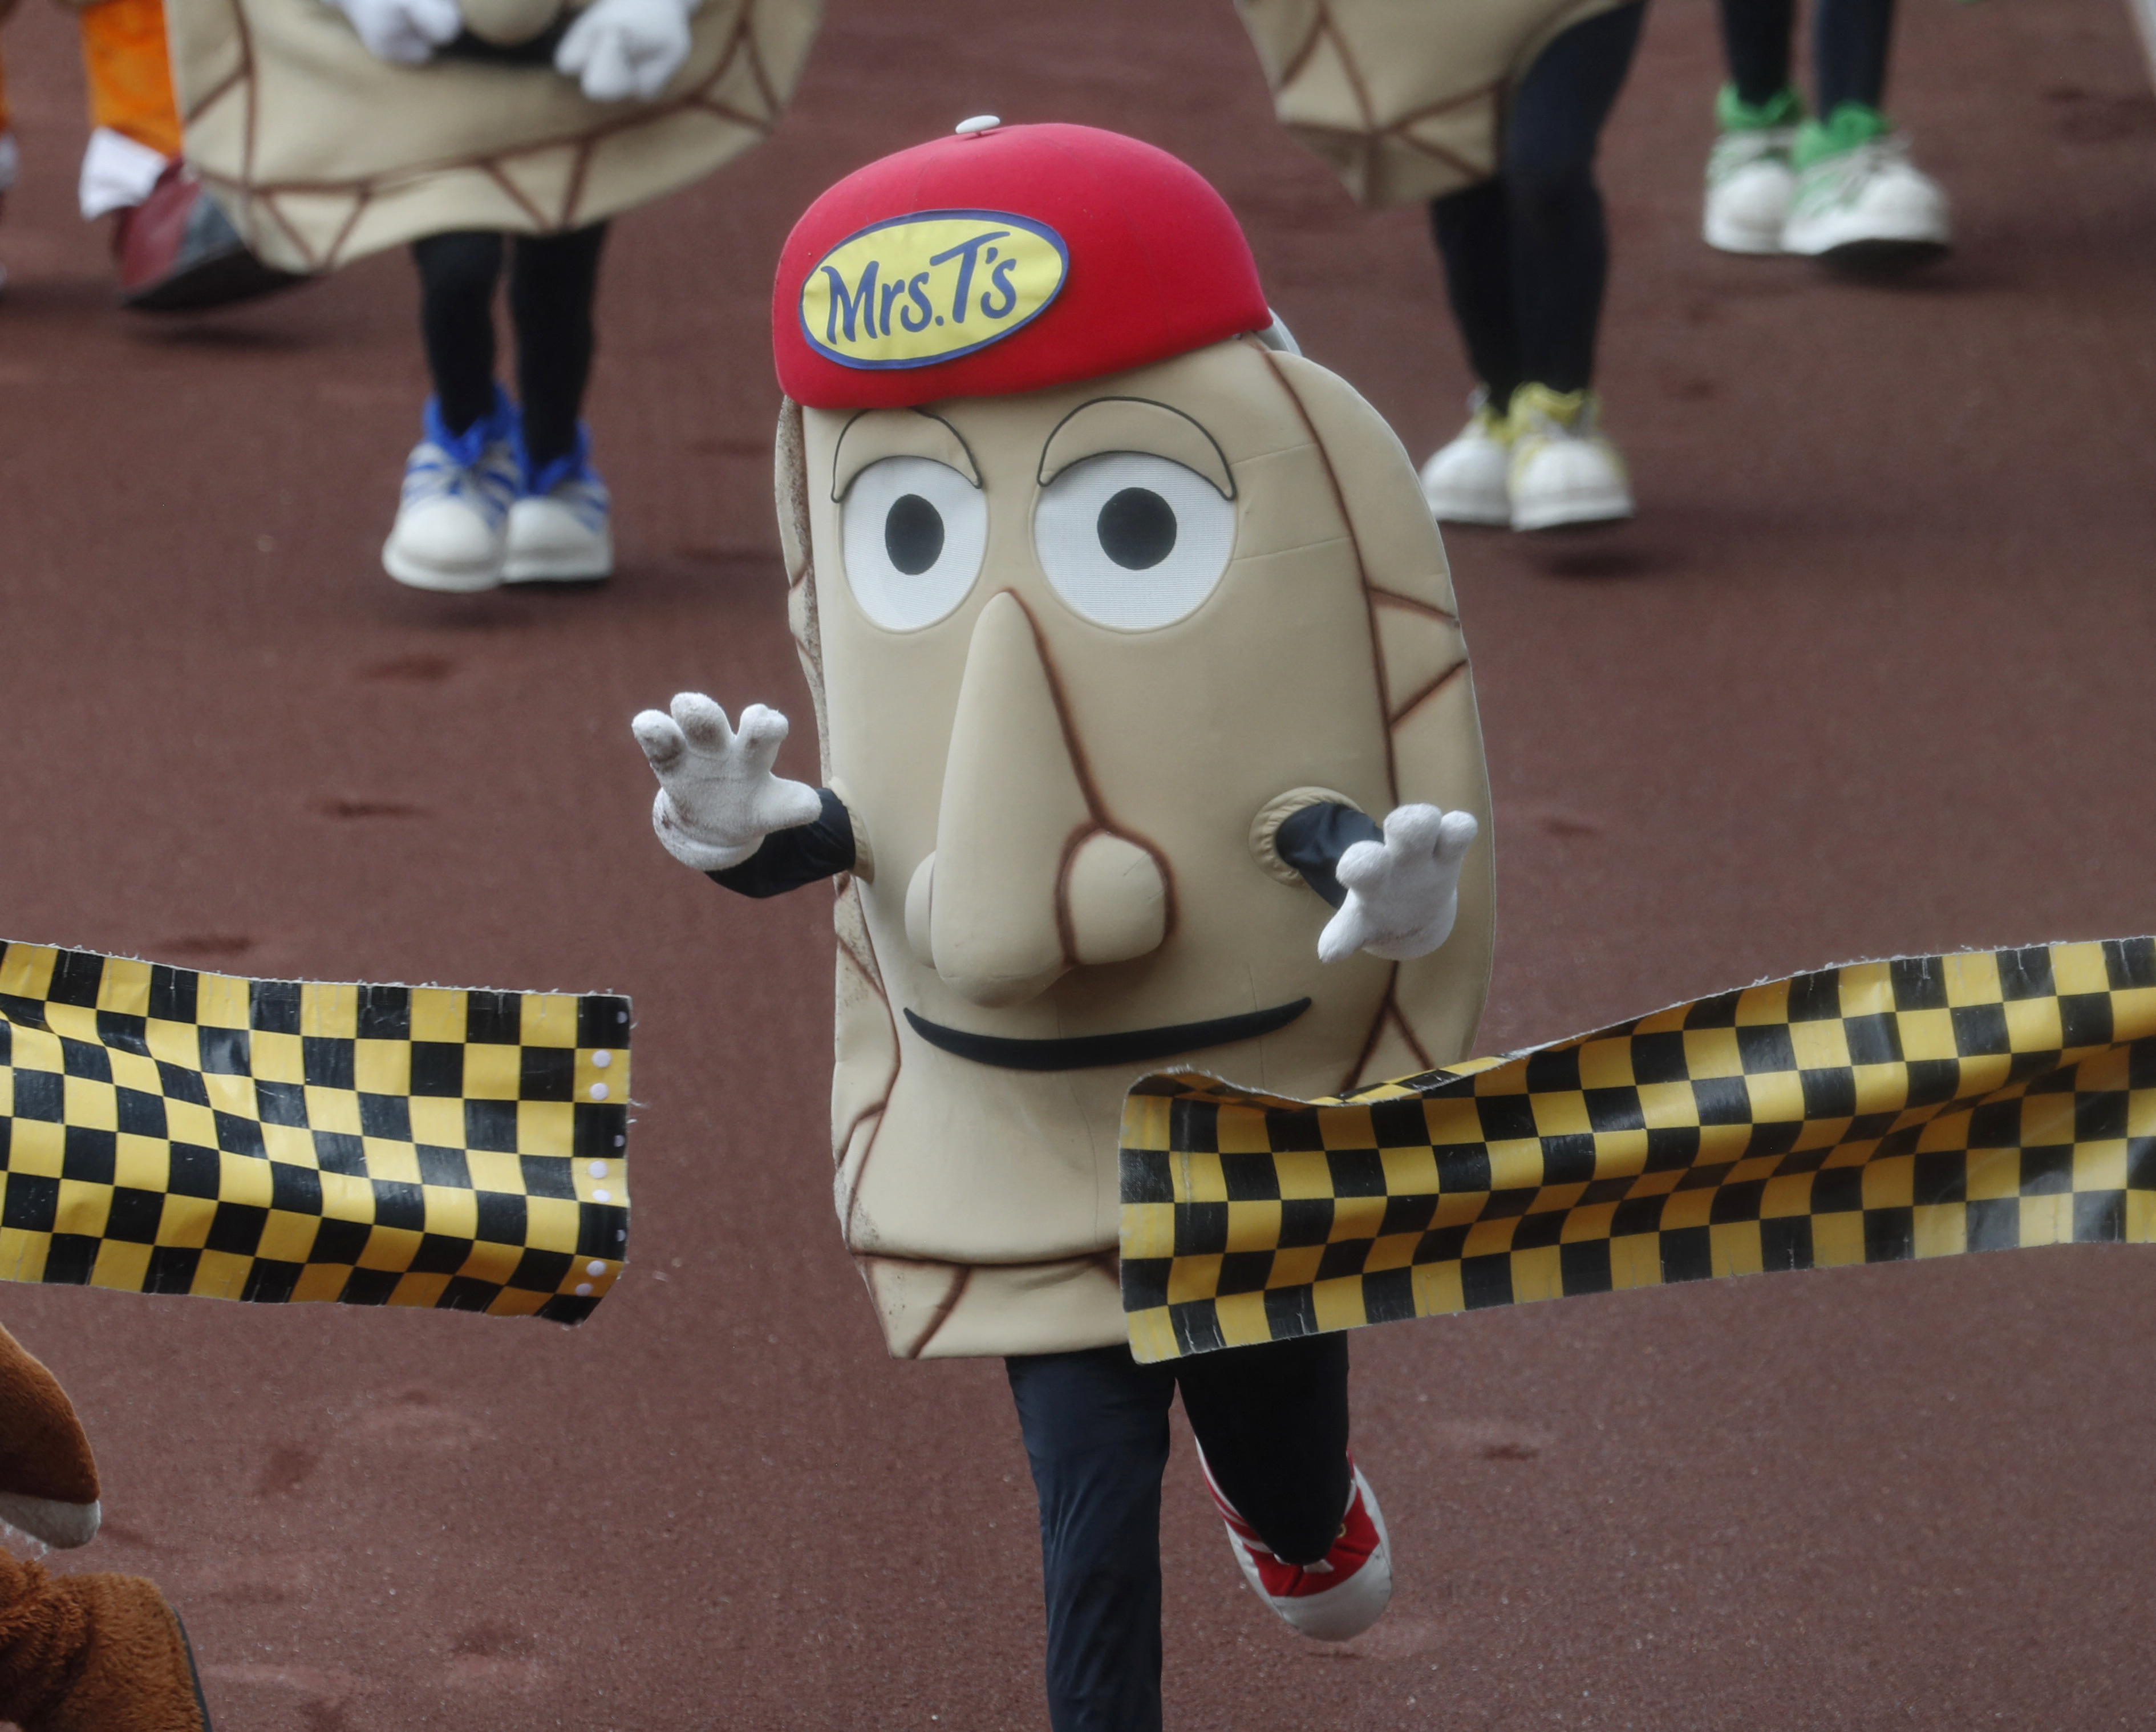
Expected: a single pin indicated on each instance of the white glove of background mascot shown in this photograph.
(1403, 892)
(717, 797)
(718, 800)
(620, 49)
(405, 31)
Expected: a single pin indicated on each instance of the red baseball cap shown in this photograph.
(1006, 259)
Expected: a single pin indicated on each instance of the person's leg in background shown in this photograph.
(1749, 175)
(1840, 187)
(560, 529)
(1858, 200)
(1555, 243)
(1465, 482)
(463, 476)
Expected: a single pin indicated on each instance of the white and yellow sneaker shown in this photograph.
(1465, 481)
(1565, 471)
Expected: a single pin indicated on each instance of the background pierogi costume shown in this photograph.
(1490, 110)
(334, 128)
(1124, 624)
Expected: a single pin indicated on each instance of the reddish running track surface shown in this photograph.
(1871, 675)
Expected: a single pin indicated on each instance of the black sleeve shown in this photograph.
(1312, 841)
(791, 858)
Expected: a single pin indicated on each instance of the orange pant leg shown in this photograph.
(130, 72)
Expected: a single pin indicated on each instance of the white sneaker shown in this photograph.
(560, 531)
(1565, 470)
(451, 529)
(1868, 207)
(1342, 1593)
(1749, 182)
(1464, 481)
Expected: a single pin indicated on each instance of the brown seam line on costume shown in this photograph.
(950, 1303)
(253, 108)
(210, 97)
(1066, 930)
(270, 203)
(1347, 64)
(573, 194)
(1386, 1008)
(883, 1100)
(1361, 568)
(874, 975)
(1431, 691)
(758, 70)
(1086, 786)
(358, 209)
(492, 168)
(1409, 602)
(1293, 70)
(1408, 1034)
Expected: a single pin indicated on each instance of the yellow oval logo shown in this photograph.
(928, 287)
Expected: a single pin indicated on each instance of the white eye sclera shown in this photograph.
(913, 532)
(1132, 541)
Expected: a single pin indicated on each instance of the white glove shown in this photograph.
(717, 797)
(620, 49)
(405, 31)
(1403, 892)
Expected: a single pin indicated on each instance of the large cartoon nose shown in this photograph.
(1029, 878)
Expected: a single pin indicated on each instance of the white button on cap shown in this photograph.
(979, 123)
(603, 1059)
(594, 1268)
(598, 1169)
(599, 1091)
(601, 1195)
(584, 1289)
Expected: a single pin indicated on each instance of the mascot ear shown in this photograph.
(47, 1476)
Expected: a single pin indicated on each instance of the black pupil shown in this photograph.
(913, 534)
(1138, 528)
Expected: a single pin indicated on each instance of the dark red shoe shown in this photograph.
(177, 251)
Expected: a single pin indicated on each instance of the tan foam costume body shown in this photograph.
(1064, 825)
(322, 153)
(1406, 100)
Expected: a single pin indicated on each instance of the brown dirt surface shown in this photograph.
(1869, 676)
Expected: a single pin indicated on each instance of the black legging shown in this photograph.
(1850, 44)
(1526, 252)
(1273, 1422)
(552, 281)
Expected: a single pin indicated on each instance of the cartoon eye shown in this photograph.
(913, 532)
(1132, 541)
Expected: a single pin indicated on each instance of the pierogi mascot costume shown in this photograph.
(1147, 735)
(331, 129)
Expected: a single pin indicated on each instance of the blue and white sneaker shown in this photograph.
(560, 530)
(452, 522)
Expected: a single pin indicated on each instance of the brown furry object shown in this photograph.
(78, 1653)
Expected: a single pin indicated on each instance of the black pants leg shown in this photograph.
(1273, 1423)
(1755, 40)
(1527, 254)
(457, 276)
(1851, 40)
(553, 282)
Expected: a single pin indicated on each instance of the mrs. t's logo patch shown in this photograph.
(917, 290)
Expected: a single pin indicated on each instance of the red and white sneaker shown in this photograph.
(1338, 1596)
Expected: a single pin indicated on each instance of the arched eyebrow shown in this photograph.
(1135, 424)
(874, 434)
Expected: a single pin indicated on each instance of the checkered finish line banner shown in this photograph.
(1864, 1114)
(165, 1131)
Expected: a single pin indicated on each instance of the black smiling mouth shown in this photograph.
(1128, 1046)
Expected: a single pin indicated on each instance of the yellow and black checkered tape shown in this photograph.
(1864, 1114)
(166, 1131)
